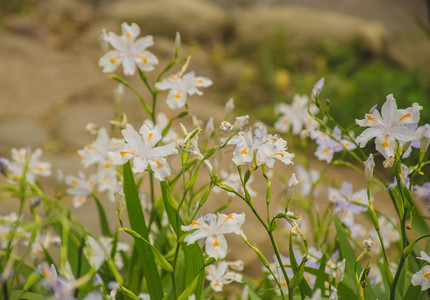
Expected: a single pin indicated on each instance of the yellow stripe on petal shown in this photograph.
(406, 116)
(159, 164)
(112, 60)
(385, 142)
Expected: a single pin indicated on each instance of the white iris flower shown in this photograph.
(128, 51)
(213, 227)
(180, 86)
(389, 126)
(141, 147)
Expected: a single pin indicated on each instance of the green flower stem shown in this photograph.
(281, 264)
(268, 193)
(127, 84)
(266, 265)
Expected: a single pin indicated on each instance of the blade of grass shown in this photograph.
(104, 225)
(137, 222)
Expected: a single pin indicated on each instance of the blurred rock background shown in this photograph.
(259, 52)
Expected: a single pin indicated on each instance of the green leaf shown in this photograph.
(137, 222)
(19, 295)
(31, 280)
(305, 289)
(190, 288)
(298, 276)
(247, 176)
(193, 254)
(160, 259)
(128, 293)
(192, 180)
(104, 225)
(171, 206)
(348, 253)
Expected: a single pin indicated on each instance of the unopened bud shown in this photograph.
(103, 40)
(229, 106)
(118, 92)
(35, 203)
(369, 164)
(4, 165)
(225, 126)
(317, 88)
(177, 41)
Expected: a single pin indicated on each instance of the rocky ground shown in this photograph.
(51, 85)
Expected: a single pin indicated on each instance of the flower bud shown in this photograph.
(369, 164)
(225, 126)
(177, 41)
(4, 165)
(229, 106)
(35, 203)
(317, 88)
(340, 270)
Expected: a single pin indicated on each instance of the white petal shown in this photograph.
(386, 145)
(366, 135)
(216, 246)
(389, 109)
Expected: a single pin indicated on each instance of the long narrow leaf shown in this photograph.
(348, 253)
(160, 259)
(104, 225)
(193, 254)
(137, 222)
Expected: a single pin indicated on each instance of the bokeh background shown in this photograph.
(259, 52)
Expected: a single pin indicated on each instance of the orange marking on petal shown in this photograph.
(274, 139)
(39, 168)
(124, 153)
(286, 121)
(406, 116)
(75, 182)
(385, 142)
(112, 60)
(178, 95)
(325, 150)
(369, 118)
(345, 214)
(216, 284)
(92, 181)
(128, 34)
(199, 81)
(107, 165)
(427, 275)
(280, 153)
(244, 151)
(159, 164)
(143, 58)
(90, 147)
(150, 136)
(195, 223)
(216, 243)
(80, 199)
